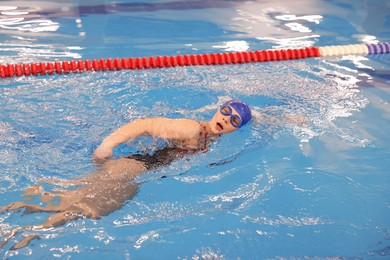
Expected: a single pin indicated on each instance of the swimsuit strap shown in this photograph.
(203, 141)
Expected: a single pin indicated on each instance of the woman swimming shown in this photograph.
(101, 193)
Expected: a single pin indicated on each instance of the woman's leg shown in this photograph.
(103, 193)
(30, 208)
(54, 220)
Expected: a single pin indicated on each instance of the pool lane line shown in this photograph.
(81, 66)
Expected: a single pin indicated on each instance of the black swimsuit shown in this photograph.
(168, 154)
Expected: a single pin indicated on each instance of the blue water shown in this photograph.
(308, 179)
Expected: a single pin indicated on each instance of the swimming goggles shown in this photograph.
(235, 120)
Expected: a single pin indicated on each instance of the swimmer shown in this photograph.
(101, 193)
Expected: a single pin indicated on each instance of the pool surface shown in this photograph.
(308, 178)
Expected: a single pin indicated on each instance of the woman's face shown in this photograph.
(222, 124)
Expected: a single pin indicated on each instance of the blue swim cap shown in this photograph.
(242, 109)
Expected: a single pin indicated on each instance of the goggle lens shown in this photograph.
(235, 120)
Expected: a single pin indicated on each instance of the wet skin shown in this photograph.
(104, 192)
(99, 195)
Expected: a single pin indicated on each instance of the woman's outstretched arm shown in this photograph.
(183, 130)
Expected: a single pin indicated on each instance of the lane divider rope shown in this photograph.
(81, 66)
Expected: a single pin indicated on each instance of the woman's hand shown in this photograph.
(103, 152)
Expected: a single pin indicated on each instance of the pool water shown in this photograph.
(308, 178)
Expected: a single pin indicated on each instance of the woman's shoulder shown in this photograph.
(176, 129)
(186, 125)
(187, 121)
(167, 120)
